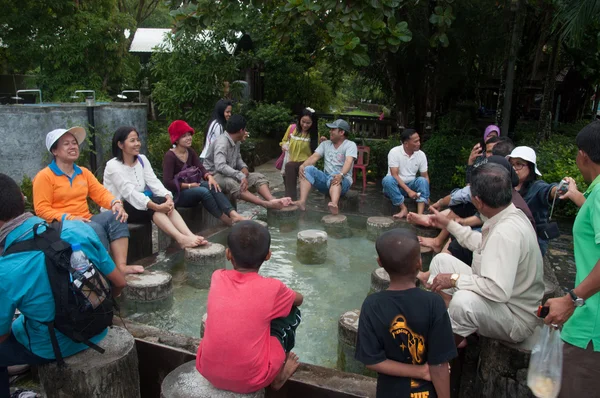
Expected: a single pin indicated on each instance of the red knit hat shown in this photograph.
(179, 128)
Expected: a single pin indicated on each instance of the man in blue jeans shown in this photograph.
(404, 161)
(25, 286)
(339, 154)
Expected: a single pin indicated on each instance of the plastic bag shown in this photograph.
(545, 366)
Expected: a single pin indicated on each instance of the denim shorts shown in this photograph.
(108, 228)
(322, 181)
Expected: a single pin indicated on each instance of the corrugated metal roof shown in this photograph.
(146, 39)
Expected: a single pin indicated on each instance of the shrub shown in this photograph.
(447, 156)
(268, 120)
(27, 190)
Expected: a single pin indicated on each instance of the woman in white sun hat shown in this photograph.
(61, 190)
(538, 194)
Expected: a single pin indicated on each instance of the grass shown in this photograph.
(358, 112)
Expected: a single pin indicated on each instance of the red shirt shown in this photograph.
(237, 352)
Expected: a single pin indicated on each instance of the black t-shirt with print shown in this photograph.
(409, 326)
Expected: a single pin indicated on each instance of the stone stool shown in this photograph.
(186, 382)
(164, 240)
(311, 246)
(378, 225)
(347, 335)
(336, 225)
(91, 374)
(285, 213)
(203, 325)
(502, 368)
(380, 280)
(201, 262)
(150, 290)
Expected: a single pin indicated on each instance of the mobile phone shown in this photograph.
(563, 187)
(542, 311)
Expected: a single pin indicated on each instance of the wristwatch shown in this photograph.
(577, 301)
(454, 279)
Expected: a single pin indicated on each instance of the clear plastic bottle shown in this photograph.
(79, 261)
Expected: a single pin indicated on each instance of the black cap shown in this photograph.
(235, 124)
(503, 162)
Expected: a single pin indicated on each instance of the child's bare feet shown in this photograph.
(433, 243)
(333, 208)
(133, 269)
(419, 219)
(301, 205)
(290, 366)
(402, 213)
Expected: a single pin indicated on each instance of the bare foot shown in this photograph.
(333, 208)
(237, 217)
(191, 241)
(301, 205)
(290, 366)
(278, 203)
(432, 243)
(401, 214)
(423, 277)
(419, 219)
(133, 269)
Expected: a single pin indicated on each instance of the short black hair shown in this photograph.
(13, 204)
(399, 251)
(249, 243)
(406, 134)
(504, 147)
(588, 141)
(235, 124)
(120, 136)
(492, 184)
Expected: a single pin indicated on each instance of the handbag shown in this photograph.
(187, 175)
(281, 160)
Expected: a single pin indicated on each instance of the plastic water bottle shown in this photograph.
(79, 261)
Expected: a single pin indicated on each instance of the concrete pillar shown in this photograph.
(378, 225)
(285, 213)
(337, 226)
(91, 374)
(186, 382)
(201, 262)
(380, 280)
(150, 291)
(285, 219)
(311, 246)
(347, 334)
(164, 240)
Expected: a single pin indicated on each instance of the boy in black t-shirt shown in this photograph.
(404, 333)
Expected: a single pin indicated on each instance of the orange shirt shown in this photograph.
(57, 196)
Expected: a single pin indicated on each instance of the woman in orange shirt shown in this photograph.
(60, 192)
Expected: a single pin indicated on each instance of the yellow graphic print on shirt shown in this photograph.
(410, 342)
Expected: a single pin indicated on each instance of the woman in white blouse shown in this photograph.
(129, 177)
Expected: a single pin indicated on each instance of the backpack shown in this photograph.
(83, 306)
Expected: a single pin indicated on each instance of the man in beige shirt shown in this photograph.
(499, 294)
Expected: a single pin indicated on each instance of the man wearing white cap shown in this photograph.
(339, 154)
(61, 190)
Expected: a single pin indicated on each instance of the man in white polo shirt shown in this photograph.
(404, 162)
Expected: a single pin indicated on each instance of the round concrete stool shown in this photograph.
(203, 325)
(186, 382)
(311, 246)
(201, 262)
(149, 291)
(378, 225)
(347, 334)
(336, 226)
(380, 280)
(284, 213)
(91, 374)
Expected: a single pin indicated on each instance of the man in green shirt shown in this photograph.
(579, 309)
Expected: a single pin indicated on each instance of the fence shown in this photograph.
(367, 126)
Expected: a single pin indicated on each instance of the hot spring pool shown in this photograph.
(330, 289)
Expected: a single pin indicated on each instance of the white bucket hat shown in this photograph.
(54, 135)
(525, 153)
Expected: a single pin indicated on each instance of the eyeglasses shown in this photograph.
(518, 166)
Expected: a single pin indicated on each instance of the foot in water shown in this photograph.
(301, 205)
(419, 219)
(290, 366)
(333, 208)
(433, 243)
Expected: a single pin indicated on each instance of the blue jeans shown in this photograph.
(108, 228)
(216, 203)
(322, 181)
(392, 190)
(14, 353)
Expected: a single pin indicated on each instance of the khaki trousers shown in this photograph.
(232, 187)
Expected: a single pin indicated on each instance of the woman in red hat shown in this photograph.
(189, 194)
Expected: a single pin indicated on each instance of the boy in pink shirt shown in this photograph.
(251, 320)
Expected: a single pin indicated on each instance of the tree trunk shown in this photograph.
(515, 44)
(545, 122)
